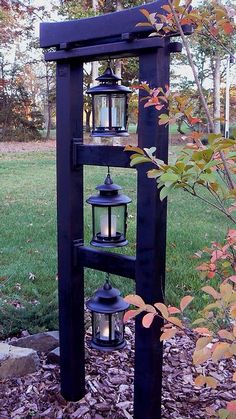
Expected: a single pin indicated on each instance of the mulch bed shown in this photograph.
(109, 385)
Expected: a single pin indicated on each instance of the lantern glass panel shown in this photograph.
(104, 327)
(119, 215)
(118, 108)
(101, 111)
(108, 327)
(109, 222)
(119, 324)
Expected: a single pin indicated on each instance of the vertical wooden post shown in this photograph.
(70, 228)
(151, 244)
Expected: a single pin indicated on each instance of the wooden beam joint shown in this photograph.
(176, 47)
(99, 155)
(100, 260)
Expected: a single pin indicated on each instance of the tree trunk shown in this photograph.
(87, 120)
(94, 64)
(216, 95)
(118, 68)
(49, 121)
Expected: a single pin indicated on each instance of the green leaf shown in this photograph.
(208, 177)
(172, 177)
(212, 137)
(133, 148)
(154, 173)
(163, 119)
(223, 413)
(233, 133)
(138, 160)
(207, 154)
(164, 192)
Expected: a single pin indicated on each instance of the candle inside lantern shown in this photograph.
(105, 330)
(105, 225)
(104, 117)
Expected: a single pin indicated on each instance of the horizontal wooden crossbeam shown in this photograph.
(115, 50)
(108, 27)
(100, 155)
(112, 263)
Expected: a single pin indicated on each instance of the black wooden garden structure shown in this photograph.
(71, 44)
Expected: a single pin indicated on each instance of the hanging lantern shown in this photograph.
(107, 308)
(109, 215)
(109, 106)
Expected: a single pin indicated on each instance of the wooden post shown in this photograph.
(70, 228)
(151, 244)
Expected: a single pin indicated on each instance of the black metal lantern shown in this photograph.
(109, 215)
(107, 308)
(109, 106)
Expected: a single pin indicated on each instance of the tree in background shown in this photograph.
(20, 118)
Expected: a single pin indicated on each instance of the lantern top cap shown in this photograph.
(107, 300)
(109, 84)
(108, 76)
(108, 185)
(107, 291)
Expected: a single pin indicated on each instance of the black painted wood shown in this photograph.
(70, 228)
(115, 50)
(151, 244)
(99, 155)
(92, 30)
(100, 260)
(80, 41)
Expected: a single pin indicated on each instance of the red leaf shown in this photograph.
(173, 310)
(168, 334)
(231, 406)
(228, 28)
(136, 300)
(163, 309)
(214, 31)
(211, 291)
(203, 331)
(130, 314)
(185, 302)
(148, 319)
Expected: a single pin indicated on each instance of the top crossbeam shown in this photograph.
(108, 28)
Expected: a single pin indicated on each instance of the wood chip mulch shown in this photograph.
(109, 385)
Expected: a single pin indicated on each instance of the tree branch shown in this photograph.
(202, 98)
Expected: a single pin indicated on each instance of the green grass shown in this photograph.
(28, 240)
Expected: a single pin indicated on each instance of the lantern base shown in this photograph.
(109, 134)
(107, 348)
(108, 244)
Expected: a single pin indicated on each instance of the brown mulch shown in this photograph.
(109, 386)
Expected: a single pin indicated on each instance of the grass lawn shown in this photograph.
(28, 275)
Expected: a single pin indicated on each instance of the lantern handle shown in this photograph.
(107, 285)
(108, 180)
